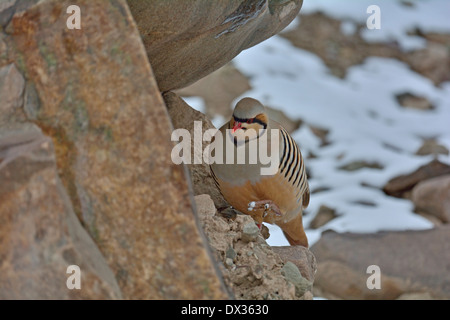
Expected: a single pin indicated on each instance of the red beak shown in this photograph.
(237, 126)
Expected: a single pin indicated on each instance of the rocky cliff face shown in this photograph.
(85, 168)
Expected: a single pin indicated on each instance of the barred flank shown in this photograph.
(293, 168)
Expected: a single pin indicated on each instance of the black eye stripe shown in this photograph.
(253, 120)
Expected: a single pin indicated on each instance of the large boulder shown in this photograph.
(98, 100)
(432, 196)
(402, 185)
(40, 235)
(186, 40)
(409, 262)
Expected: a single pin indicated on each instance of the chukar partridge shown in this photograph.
(277, 198)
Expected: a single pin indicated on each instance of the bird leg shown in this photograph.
(266, 205)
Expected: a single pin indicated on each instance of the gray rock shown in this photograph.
(409, 261)
(302, 257)
(229, 262)
(401, 185)
(183, 116)
(293, 275)
(432, 196)
(187, 40)
(41, 235)
(250, 232)
(431, 146)
(357, 165)
(112, 146)
(231, 253)
(323, 216)
(412, 101)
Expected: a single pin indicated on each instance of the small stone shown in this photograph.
(409, 100)
(250, 232)
(431, 146)
(231, 254)
(323, 216)
(265, 233)
(357, 165)
(293, 275)
(205, 205)
(308, 295)
(229, 262)
(258, 271)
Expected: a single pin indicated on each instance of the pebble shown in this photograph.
(230, 253)
(250, 232)
(229, 262)
(293, 275)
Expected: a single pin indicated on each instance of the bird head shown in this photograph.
(248, 114)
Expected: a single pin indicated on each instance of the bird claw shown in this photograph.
(265, 205)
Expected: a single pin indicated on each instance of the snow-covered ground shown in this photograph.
(362, 115)
(397, 19)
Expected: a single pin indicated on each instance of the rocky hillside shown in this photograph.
(414, 264)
